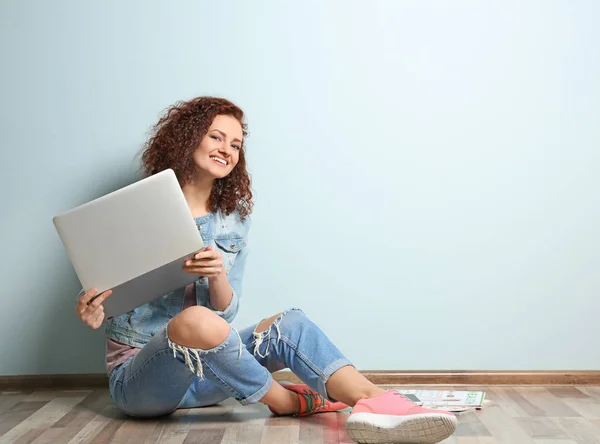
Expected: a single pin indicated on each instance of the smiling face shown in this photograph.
(219, 152)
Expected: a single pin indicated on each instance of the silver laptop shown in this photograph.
(134, 241)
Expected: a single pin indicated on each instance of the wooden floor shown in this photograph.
(519, 415)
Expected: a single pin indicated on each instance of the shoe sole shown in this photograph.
(426, 428)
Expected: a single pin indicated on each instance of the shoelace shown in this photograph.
(314, 402)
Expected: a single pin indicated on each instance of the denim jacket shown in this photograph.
(229, 235)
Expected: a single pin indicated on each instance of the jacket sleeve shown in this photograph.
(235, 278)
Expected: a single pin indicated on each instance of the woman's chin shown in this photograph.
(214, 172)
(219, 174)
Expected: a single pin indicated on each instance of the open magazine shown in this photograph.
(449, 400)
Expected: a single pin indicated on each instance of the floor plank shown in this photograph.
(246, 433)
(580, 430)
(527, 407)
(567, 392)
(554, 441)
(499, 396)
(133, 431)
(281, 434)
(208, 436)
(517, 415)
(549, 404)
(311, 432)
(542, 428)
(43, 418)
(91, 430)
(107, 432)
(503, 428)
(470, 425)
(50, 436)
(167, 433)
(7, 402)
(17, 414)
(28, 437)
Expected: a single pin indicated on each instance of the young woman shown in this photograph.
(180, 351)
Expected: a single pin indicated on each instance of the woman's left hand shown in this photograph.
(207, 263)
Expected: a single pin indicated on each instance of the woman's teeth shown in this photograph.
(218, 159)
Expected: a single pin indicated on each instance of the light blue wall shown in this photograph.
(426, 173)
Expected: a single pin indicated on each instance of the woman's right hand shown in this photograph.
(92, 313)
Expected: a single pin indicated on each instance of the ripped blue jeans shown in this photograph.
(164, 376)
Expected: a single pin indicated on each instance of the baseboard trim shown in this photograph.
(380, 377)
(57, 382)
(473, 377)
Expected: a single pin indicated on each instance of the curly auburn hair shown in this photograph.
(175, 137)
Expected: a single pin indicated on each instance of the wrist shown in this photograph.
(222, 276)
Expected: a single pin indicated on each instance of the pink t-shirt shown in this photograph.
(117, 353)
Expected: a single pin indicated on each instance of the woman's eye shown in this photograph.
(216, 138)
(237, 147)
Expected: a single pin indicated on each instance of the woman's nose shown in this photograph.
(224, 149)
